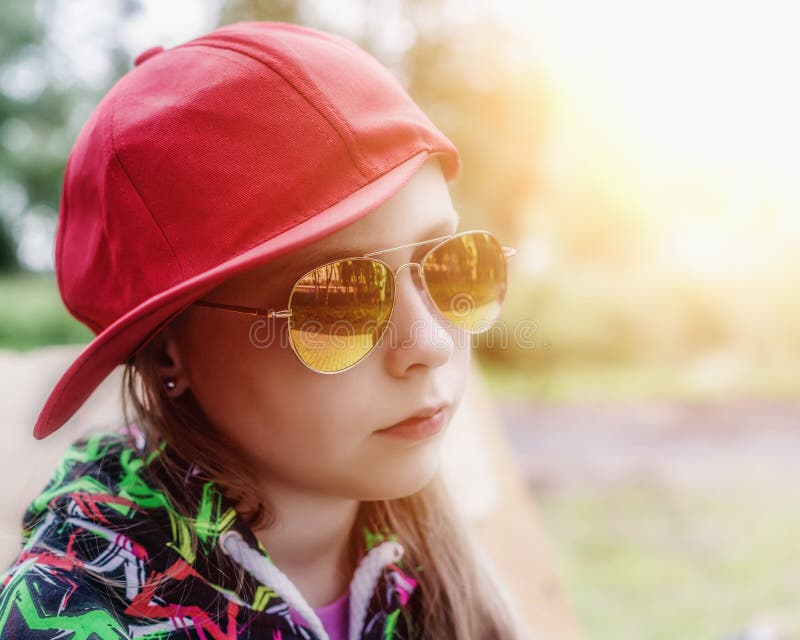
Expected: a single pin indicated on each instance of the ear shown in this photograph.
(171, 367)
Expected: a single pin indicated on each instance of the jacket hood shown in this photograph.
(107, 554)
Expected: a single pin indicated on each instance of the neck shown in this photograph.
(310, 541)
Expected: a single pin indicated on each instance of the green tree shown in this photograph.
(40, 114)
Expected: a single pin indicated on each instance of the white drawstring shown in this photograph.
(269, 575)
(365, 577)
(362, 586)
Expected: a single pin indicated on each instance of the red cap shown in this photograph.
(213, 157)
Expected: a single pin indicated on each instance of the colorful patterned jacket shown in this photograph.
(106, 555)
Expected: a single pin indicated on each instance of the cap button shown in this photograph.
(147, 53)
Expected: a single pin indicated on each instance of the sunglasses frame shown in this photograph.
(508, 252)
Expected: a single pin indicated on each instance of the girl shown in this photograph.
(256, 223)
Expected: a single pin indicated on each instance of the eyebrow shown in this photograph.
(320, 257)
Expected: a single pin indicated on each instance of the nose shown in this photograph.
(417, 337)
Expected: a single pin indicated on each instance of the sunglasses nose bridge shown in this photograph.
(409, 265)
(420, 285)
(420, 276)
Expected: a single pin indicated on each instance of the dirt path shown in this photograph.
(687, 446)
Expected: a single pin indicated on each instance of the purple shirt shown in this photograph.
(335, 617)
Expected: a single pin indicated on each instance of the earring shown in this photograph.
(170, 383)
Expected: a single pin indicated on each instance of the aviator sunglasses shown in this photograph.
(337, 312)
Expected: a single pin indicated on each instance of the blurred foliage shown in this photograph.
(8, 250)
(41, 111)
(34, 146)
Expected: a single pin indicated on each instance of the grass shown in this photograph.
(647, 563)
(33, 315)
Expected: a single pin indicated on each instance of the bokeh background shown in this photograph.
(643, 159)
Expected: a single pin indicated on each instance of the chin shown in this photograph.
(394, 481)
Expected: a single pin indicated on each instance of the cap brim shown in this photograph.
(118, 341)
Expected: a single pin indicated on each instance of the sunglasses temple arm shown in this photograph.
(251, 311)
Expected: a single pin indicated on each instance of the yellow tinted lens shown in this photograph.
(466, 278)
(339, 312)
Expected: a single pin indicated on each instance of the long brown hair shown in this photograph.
(461, 600)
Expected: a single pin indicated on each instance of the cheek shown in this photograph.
(462, 355)
(235, 373)
(264, 400)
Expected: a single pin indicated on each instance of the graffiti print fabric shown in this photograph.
(107, 555)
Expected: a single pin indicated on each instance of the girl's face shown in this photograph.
(318, 432)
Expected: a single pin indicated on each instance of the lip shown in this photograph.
(424, 424)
